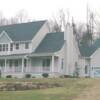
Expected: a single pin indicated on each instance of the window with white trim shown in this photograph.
(10, 63)
(6, 47)
(46, 62)
(27, 45)
(17, 46)
(3, 47)
(11, 47)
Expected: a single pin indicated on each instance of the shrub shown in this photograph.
(9, 76)
(33, 77)
(28, 76)
(69, 76)
(76, 72)
(87, 76)
(45, 75)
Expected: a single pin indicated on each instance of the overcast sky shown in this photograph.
(45, 9)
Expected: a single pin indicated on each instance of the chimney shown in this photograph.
(68, 37)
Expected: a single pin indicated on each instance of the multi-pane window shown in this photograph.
(46, 62)
(2, 63)
(16, 63)
(3, 47)
(11, 47)
(17, 46)
(6, 47)
(26, 45)
(10, 63)
(25, 62)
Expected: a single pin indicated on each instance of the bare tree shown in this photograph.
(3, 20)
(12, 20)
(21, 16)
(58, 22)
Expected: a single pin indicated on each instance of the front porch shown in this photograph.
(31, 65)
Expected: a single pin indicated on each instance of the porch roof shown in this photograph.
(12, 56)
(25, 55)
(52, 42)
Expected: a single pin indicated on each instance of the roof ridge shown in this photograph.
(23, 23)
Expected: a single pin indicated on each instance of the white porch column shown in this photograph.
(52, 64)
(22, 65)
(5, 69)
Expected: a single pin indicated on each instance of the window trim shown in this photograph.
(3, 47)
(26, 45)
(17, 46)
(11, 46)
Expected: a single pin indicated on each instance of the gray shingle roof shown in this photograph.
(23, 31)
(51, 43)
(87, 50)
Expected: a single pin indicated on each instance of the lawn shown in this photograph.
(69, 90)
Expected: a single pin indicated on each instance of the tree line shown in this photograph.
(83, 31)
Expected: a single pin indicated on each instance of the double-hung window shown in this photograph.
(3, 47)
(17, 46)
(11, 47)
(46, 62)
(26, 45)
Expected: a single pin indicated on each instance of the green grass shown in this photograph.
(71, 88)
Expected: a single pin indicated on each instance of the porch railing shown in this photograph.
(38, 69)
(31, 69)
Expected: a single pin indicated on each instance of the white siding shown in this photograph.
(21, 49)
(95, 59)
(71, 51)
(95, 62)
(4, 39)
(82, 64)
(39, 36)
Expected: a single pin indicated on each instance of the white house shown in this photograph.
(29, 48)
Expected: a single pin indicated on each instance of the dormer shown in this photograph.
(4, 38)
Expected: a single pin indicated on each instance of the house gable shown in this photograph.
(95, 59)
(4, 38)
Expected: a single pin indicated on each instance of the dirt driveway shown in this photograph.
(92, 93)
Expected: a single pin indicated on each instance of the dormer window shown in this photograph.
(26, 45)
(17, 46)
